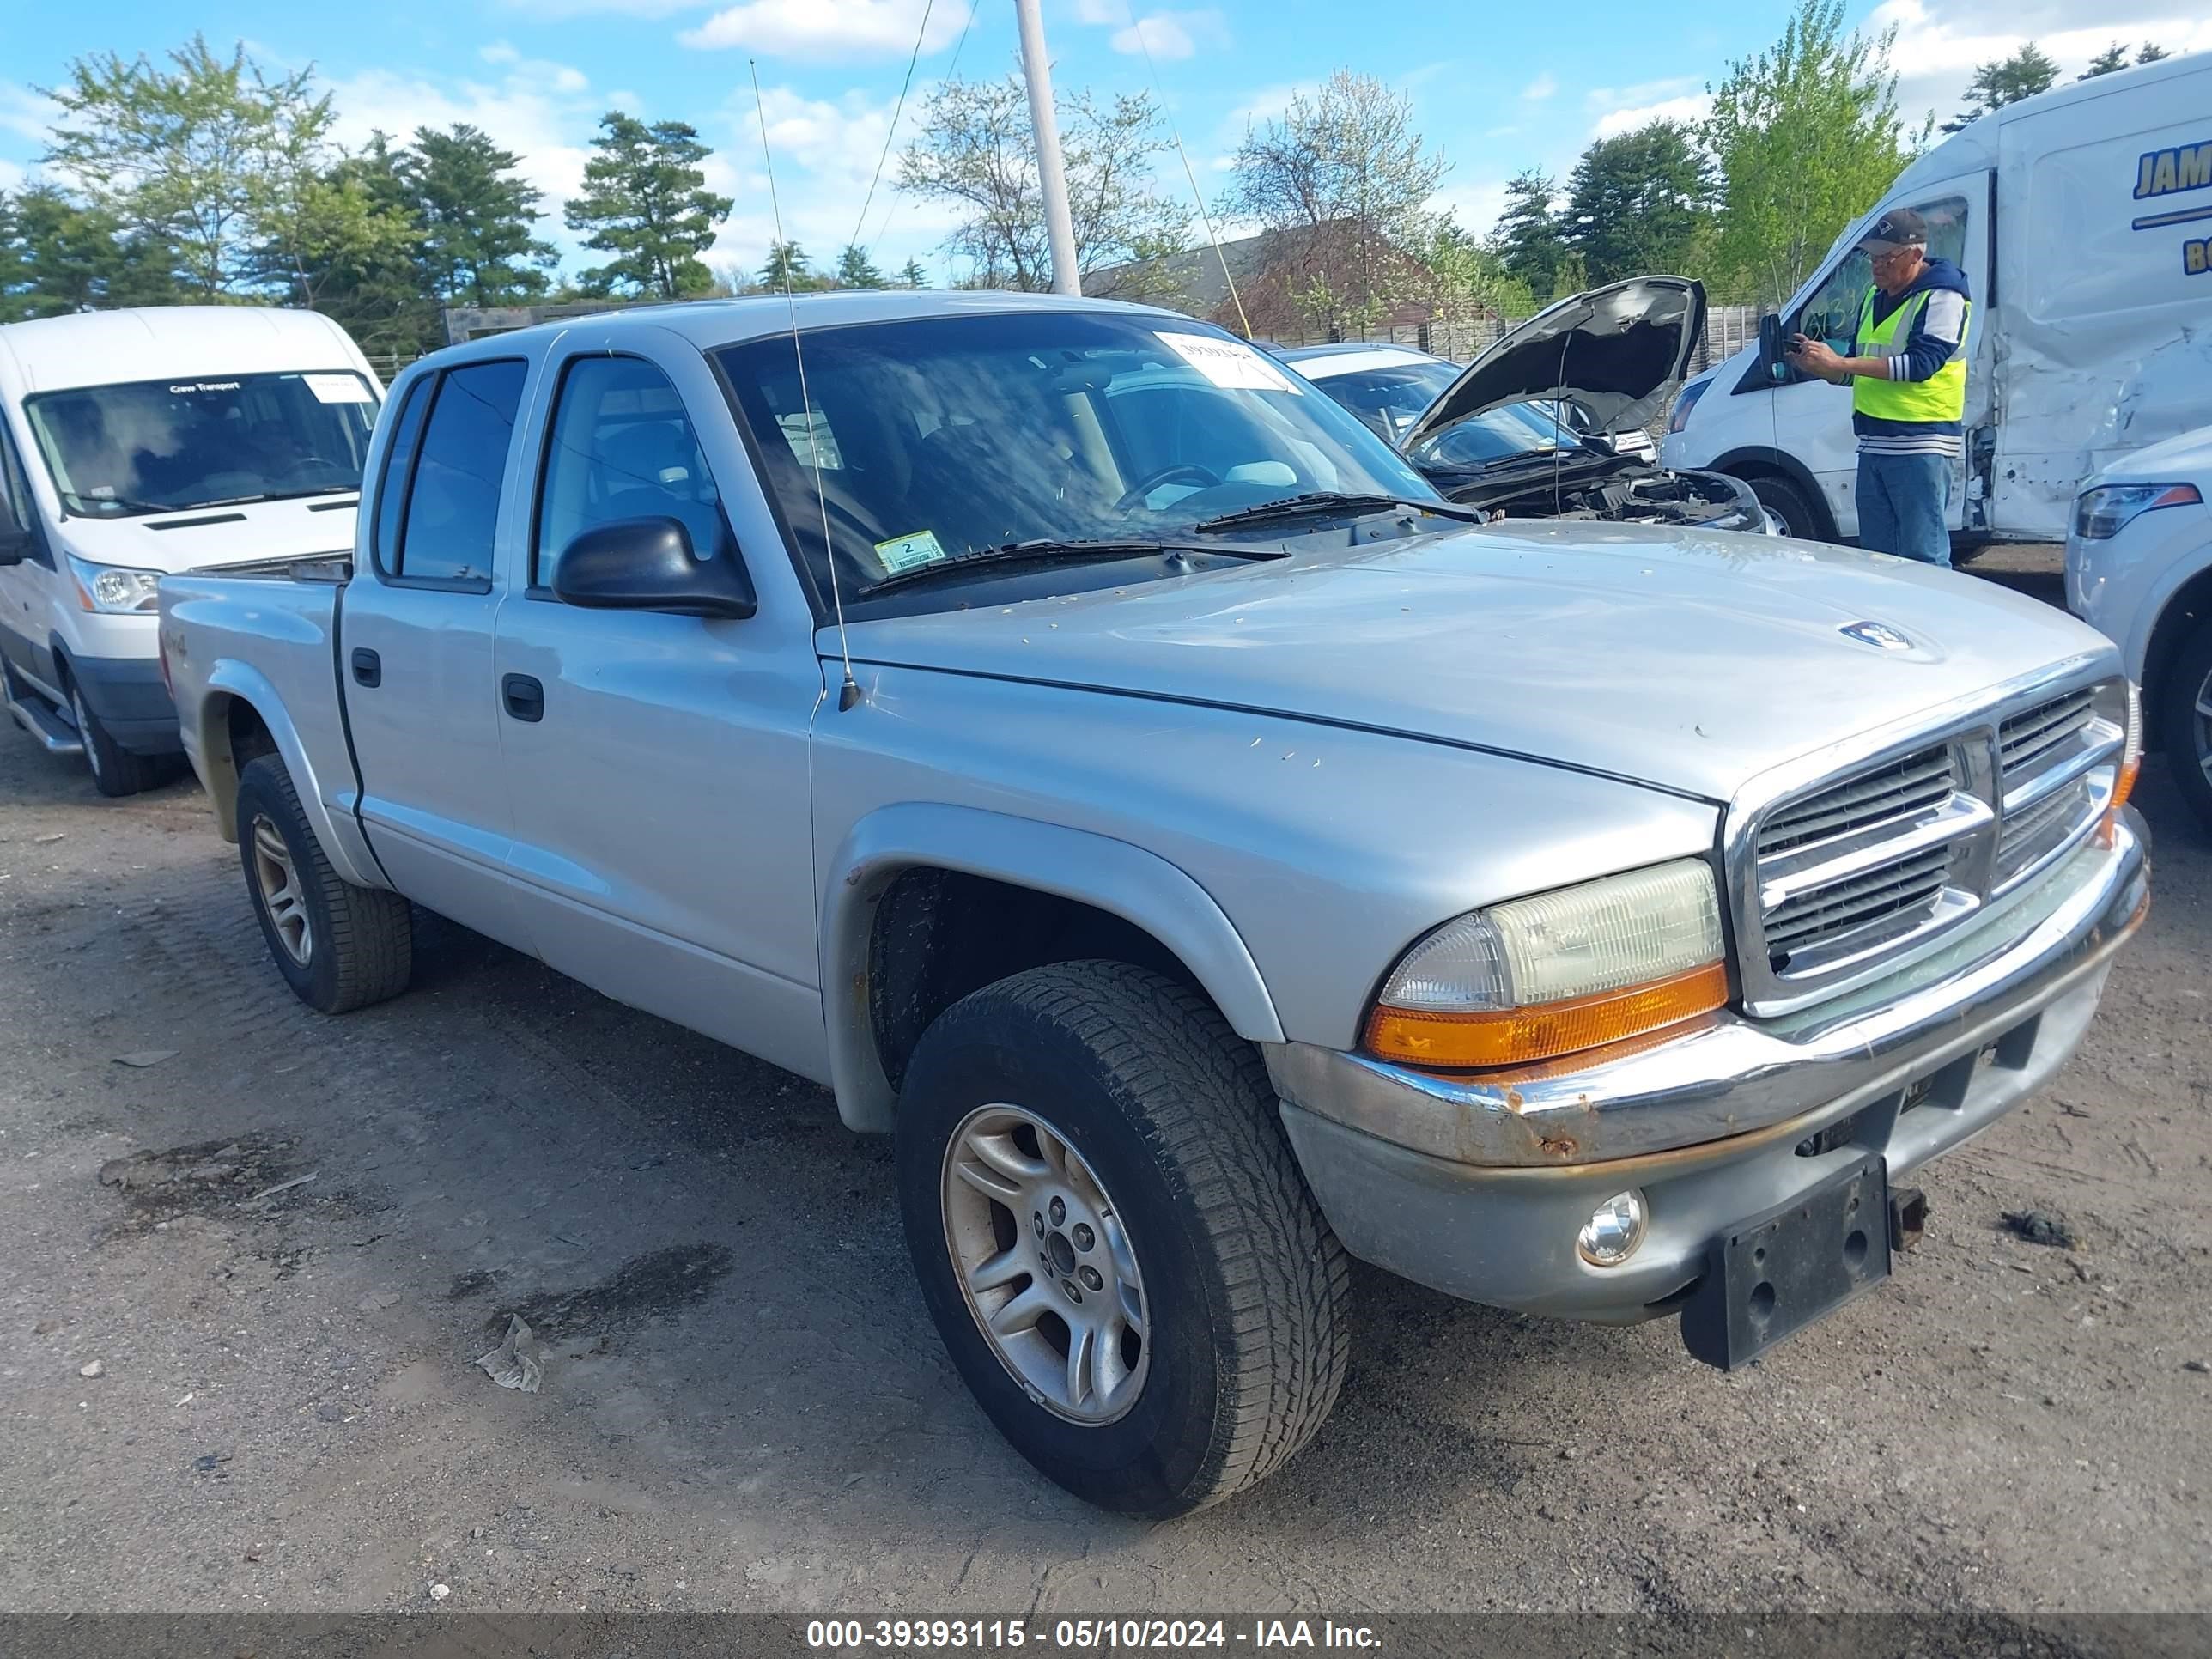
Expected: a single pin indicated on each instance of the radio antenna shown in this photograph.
(849, 694)
(1197, 196)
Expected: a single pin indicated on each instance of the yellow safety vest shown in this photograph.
(1941, 397)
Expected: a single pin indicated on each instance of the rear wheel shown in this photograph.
(339, 946)
(1801, 515)
(1115, 1239)
(2186, 721)
(115, 770)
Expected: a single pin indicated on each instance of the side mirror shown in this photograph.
(1773, 366)
(647, 564)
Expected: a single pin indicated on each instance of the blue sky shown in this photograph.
(1498, 88)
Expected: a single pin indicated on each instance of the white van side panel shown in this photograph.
(2106, 338)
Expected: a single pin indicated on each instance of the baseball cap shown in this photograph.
(1899, 228)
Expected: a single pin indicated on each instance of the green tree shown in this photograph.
(1343, 179)
(1471, 277)
(856, 269)
(476, 218)
(202, 155)
(1527, 239)
(2152, 52)
(1806, 136)
(58, 256)
(2006, 81)
(2114, 57)
(787, 267)
(977, 150)
(1640, 202)
(914, 276)
(646, 202)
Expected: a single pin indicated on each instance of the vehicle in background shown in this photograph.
(2083, 218)
(1507, 433)
(2139, 570)
(136, 443)
(1390, 387)
(1110, 769)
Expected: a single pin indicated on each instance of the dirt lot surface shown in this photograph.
(282, 1242)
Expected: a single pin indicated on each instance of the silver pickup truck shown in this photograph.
(1113, 773)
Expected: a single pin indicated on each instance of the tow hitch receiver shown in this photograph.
(1791, 1266)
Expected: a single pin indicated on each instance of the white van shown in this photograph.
(2083, 218)
(136, 444)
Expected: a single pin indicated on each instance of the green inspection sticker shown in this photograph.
(903, 553)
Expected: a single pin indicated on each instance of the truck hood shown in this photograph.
(1689, 662)
(1611, 353)
(173, 541)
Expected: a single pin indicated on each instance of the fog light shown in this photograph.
(1614, 1231)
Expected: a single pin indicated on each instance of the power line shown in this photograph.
(891, 132)
(892, 208)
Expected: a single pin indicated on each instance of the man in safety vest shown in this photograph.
(1908, 388)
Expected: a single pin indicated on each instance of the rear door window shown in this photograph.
(391, 486)
(452, 496)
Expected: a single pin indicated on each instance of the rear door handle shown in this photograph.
(524, 696)
(367, 666)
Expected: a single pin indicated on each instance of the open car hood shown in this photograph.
(1610, 353)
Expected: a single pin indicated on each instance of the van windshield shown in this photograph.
(160, 445)
(937, 437)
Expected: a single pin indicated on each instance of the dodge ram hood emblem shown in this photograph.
(1880, 636)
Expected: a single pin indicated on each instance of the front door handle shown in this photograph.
(524, 696)
(367, 666)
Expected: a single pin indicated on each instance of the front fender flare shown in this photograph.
(209, 740)
(1141, 888)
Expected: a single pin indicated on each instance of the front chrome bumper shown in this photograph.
(1477, 1187)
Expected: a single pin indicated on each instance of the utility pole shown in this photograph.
(1052, 175)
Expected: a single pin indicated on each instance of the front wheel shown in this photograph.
(1115, 1239)
(1800, 516)
(2187, 721)
(116, 771)
(339, 946)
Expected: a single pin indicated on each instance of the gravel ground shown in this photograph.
(280, 1242)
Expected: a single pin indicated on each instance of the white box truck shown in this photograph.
(2083, 220)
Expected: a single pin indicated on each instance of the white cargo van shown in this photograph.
(2083, 221)
(136, 444)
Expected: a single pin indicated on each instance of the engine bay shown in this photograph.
(1622, 492)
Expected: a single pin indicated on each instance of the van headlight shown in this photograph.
(1557, 973)
(1684, 401)
(114, 590)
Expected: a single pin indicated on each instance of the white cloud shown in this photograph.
(1940, 42)
(499, 52)
(1476, 206)
(26, 113)
(1691, 107)
(830, 29)
(1541, 88)
(1174, 34)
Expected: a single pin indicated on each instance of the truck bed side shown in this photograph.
(252, 655)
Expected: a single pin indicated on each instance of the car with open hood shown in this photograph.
(1549, 422)
(1207, 852)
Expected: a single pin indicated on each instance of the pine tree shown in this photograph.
(646, 202)
(914, 276)
(1527, 238)
(856, 269)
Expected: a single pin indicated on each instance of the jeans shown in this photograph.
(1902, 500)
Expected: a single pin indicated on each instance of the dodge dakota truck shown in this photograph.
(1211, 855)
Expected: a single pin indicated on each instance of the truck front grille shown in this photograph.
(1845, 878)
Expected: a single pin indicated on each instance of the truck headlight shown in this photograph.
(1684, 401)
(114, 590)
(2101, 514)
(1561, 972)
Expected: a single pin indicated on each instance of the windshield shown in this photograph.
(944, 436)
(158, 445)
(1516, 429)
(1387, 401)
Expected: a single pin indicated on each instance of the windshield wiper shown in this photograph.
(89, 506)
(1317, 501)
(1041, 549)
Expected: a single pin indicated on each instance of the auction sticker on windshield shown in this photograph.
(903, 553)
(1228, 364)
(337, 388)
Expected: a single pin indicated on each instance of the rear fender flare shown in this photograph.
(338, 832)
(1141, 888)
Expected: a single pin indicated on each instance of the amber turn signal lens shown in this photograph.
(1516, 1036)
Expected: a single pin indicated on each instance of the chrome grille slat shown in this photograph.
(2025, 737)
(1916, 881)
(1919, 780)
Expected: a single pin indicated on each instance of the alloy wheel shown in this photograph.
(281, 894)
(1047, 1267)
(2201, 728)
(83, 716)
